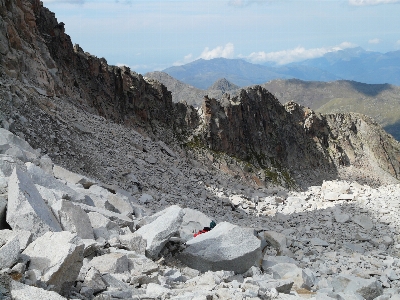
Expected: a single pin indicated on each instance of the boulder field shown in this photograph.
(67, 236)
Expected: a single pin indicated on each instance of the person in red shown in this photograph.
(206, 229)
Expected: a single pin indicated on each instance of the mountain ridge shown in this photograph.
(348, 64)
(374, 100)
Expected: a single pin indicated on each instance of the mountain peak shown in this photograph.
(223, 85)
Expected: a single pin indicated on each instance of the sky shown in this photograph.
(151, 35)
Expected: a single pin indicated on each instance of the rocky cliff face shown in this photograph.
(257, 129)
(267, 141)
(36, 49)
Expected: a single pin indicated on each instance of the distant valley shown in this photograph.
(379, 101)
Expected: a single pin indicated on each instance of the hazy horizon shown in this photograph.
(153, 35)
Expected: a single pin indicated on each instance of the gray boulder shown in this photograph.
(364, 221)
(73, 219)
(270, 261)
(133, 242)
(9, 253)
(367, 288)
(274, 239)
(40, 177)
(21, 291)
(71, 177)
(111, 263)
(58, 257)
(93, 283)
(102, 226)
(13, 145)
(26, 208)
(7, 165)
(226, 247)
(24, 237)
(158, 232)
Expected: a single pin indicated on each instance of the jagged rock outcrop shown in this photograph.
(256, 128)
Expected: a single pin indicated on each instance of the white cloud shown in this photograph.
(371, 2)
(226, 51)
(187, 59)
(374, 41)
(296, 54)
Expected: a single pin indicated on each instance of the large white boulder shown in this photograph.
(40, 177)
(13, 145)
(7, 165)
(226, 247)
(73, 219)
(20, 291)
(26, 209)
(71, 177)
(58, 258)
(158, 232)
(24, 237)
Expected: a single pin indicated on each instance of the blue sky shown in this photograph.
(153, 35)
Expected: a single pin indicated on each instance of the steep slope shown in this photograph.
(251, 136)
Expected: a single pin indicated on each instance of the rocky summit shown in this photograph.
(109, 190)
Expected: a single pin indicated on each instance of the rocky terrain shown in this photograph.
(341, 96)
(86, 240)
(104, 181)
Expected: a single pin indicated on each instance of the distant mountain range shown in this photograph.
(379, 101)
(182, 92)
(349, 64)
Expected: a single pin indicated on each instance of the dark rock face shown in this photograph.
(256, 128)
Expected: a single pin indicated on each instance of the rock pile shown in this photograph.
(66, 235)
